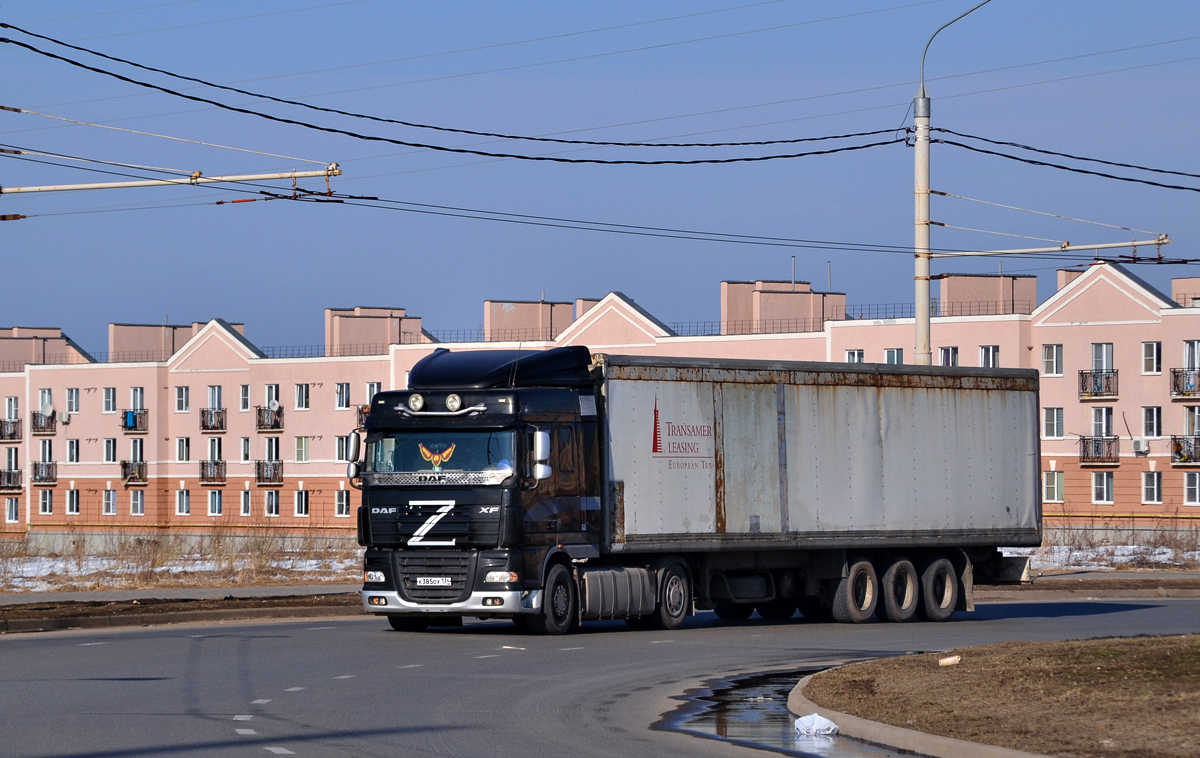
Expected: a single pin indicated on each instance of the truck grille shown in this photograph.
(430, 567)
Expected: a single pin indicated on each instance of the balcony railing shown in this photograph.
(136, 420)
(10, 479)
(1097, 384)
(133, 472)
(268, 472)
(1185, 382)
(10, 430)
(1099, 450)
(41, 423)
(1185, 450)
(212, 419)
(362, 413)
(212, 472)
(268, 420)
(43, 472)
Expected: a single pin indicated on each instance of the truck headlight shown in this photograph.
(374, 576)
(416, 402)
(453, 402)
(499, 577)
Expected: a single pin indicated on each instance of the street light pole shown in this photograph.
(921, 107)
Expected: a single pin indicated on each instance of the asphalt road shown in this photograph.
(352, 687)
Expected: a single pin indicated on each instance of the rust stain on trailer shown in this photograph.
(618, 513)
(719, 459)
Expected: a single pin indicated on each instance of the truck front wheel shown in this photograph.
(857, 593)
(560, 604)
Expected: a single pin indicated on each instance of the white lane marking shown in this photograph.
(259, 702)
(565, 649)
(242, 717)
(279, 750)
(318, 628)
(487, 656)
(345, 676)
(199, 636)
(510, 647)
(660, 642)
(89, 644)
(411, 666)
(245, 731)
(293, 689)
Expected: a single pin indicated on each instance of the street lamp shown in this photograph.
(924, 354)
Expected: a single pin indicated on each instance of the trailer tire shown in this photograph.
(900, 588)
(408, 623)
(857, 593)
(734, 611)
(675, 595)
(779, 609)
(560, 604)
(939, 591)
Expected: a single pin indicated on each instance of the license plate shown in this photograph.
(433, 581)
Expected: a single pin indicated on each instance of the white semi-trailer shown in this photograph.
(559, 486)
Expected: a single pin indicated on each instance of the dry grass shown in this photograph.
(1166, 544)
(1114, 698)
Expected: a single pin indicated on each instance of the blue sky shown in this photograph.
(1056, 74)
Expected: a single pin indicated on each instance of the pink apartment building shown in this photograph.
(193, 428)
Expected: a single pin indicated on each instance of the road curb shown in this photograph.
(897, 737)
(155, 619)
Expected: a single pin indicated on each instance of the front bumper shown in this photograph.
(513, 602)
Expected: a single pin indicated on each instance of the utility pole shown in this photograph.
(923, 353)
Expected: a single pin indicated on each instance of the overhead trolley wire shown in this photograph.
(1041, 213)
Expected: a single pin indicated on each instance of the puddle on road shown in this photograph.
(752, 711)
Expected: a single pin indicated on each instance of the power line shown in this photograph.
(109, 13)
(441, 148)
(226, 20)
(1041, 213)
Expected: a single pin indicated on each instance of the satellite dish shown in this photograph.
(47, 409)
(273, 405)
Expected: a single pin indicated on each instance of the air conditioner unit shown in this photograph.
(1141, 445)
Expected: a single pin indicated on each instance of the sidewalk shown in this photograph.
(176, 593)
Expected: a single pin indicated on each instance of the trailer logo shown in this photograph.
(677, 440)
(437, 459)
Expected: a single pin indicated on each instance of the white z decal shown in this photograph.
(418, 537)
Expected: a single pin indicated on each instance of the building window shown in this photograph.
(72, 400)
(1102, 421)
(12, 510)
(893, 356)
(343, 395)
(989, 356)
(272, 448)
(1102, 356)
(72, 451)
(214, 397)
(1151, 486)
(1102, 487)
(1151, 357)
(137, 503)
(272, 391)
(854, 356)
(1052, 423)
(1191, 421)
(11, 455)
(302, 502)
(343, 446)
(12, 409)
(373, 388)
(137, 398)
(302, 450)
(342, 503)
(271, 500)
(110, 450)
(244, 398)
(183, 503)
(73, 502)
(245, 449)
(245, 502)
(45, 397)
(183, 448)
(137, 450)
(948, 356)
(1191, 355)
(110, 399)
(1052, 486)
(1191, 488)
(110, 503)
(214, 449)
(1052, 360)
(46, 502)
(214, 502)
(47, 450)
(1152, 421)
(183, 399)
(301, 397)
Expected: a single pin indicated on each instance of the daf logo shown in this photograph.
(489, 509)
(383, 510)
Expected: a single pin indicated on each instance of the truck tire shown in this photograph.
(560, 604)
(672, 608)
(813, 609)
(779, 609)
(939, 591)
(900, 590)
(408, 623)
(857, 593)
(734, 611)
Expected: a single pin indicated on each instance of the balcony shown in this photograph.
(1099, 450)
(135, 421)
(212, 472)
(1094, 385)
(362, 413)
(212, 419)
(43, 472)
(133, 472)
(267, 420)
(1185, 382)
(10, 430)
(268, 472)
(41, 423)
(1185, 451)
(10, 480)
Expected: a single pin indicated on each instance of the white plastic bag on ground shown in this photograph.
(815, 724)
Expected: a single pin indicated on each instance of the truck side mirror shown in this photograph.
(541, 471)
(353, 446)
(352, 470)
(541, 447)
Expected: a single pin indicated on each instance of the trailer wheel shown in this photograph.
(779, 609)
(857, 593)
(901, 590)
(939, 591)
(408, 623)
(733, 611)
(813, 609)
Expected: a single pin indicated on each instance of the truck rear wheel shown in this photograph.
(560, 604)
(939, 591)
(733, 611)
(779, 609)
(672, 608)
(857, 593)
(901, 591)
(408, 623)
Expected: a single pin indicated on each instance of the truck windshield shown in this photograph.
(423, 452)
